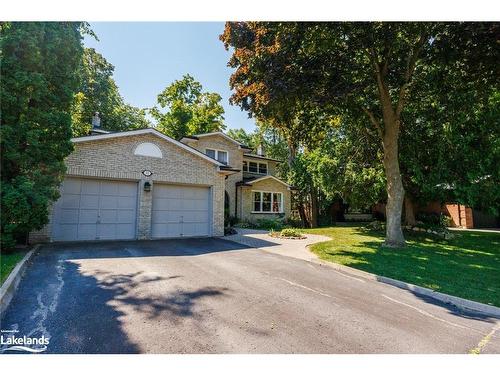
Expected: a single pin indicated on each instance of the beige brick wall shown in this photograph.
(114, 159)
(235, 155)
(245, 200)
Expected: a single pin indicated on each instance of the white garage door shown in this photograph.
(180, 211)
(95, 210)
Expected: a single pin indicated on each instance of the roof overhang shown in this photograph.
(131, 133)
(251, 182)
(194, 138)
(260, 157)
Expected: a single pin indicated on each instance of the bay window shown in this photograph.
(264, 201)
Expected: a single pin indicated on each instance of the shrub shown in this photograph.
(376, 225)
(290, 232)
(270, 224)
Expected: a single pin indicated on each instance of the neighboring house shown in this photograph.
(142, 184)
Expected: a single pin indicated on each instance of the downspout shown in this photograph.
(236, 201)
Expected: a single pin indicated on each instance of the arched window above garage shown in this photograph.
(148, 149)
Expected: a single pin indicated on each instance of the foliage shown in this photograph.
(427, 261)
(185, 109)
(98, 92)
(371, 74)
(291, 232)
(270, 224)
(40, 61)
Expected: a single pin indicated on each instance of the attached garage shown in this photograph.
(137, 184)
(91, 209)
(180, 210)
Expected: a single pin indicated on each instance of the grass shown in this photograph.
(467, 266)
(8, 262)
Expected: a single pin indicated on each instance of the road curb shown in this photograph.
(460, 303)
(9, 286)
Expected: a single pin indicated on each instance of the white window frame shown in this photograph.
(217, 154)
(256, 162)
(272, 201)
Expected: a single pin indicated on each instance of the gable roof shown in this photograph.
(151, 131)
(254, 180)
(198, 136)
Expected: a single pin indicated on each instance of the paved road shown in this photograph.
(215, 296)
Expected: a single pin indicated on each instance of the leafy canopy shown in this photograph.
(40, 61)
(183, 108)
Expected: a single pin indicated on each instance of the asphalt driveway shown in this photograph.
(217, 296)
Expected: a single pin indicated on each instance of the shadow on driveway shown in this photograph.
(81, 311)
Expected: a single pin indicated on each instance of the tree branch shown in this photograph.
(375, 122)
(410, 69)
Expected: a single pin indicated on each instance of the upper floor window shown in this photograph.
(218, 155)
(254, 167)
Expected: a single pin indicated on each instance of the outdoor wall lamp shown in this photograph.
(147, 186)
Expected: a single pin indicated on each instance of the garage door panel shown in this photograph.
(195, 229)
(109, 188)
(127, 190)
(124, 231)
(90, 187)
(70, 201)
(170, 230)
(195, 205)
(126, 202)
(125, 216)
(89, 201)
(72, 186)
(67, 232)
(88, 216)
(69, 216)
(195, 216)
(180, 211)
(87, 231)
(109, 202)
(107, 216)
(95, 209)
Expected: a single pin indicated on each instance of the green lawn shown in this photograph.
(467, 266)
(8, 262)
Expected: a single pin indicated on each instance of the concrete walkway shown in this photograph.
(261, 239)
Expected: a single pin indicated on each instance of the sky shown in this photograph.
(149, 56)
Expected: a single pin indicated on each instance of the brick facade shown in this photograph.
(235, 160)
(113, 158)
(240, 198)
(245, 200)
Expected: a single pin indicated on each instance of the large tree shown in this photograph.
(39, 79)
(366, 71)
(98, 92)
(185, 109)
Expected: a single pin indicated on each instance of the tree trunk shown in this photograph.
(395, 191)
(314, 208)
(302, 214)
(409, 211)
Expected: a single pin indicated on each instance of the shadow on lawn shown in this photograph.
(467, 266)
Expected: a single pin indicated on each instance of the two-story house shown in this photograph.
(142, 184)
(253, 192)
